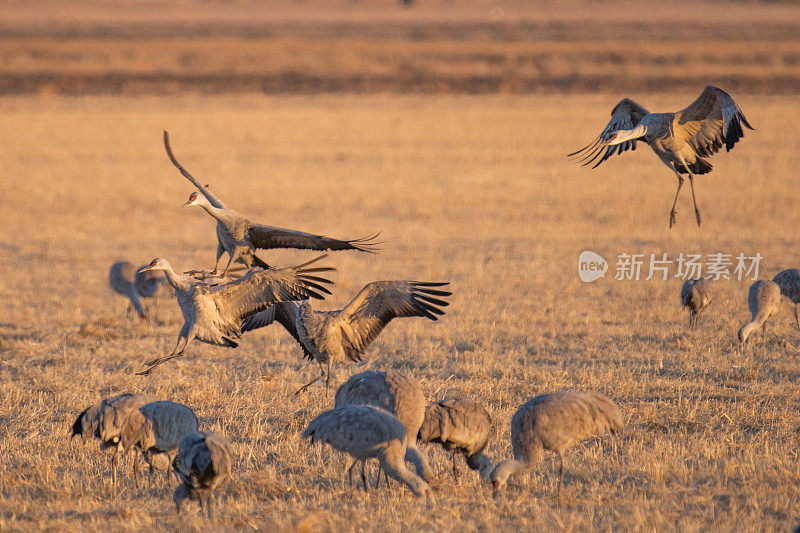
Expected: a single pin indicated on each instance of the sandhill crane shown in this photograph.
(214, 313)
(696, 294)
(157, 428)
(135, 284)
(106, 420)
(343, 335)
(398, 393)
(460, 426)
(239, 237)
(149, 282)
(364, 432)
(789, 282)
(555, 421)
(764, 300)
(122, 278)
(681, 140)
(203, 465)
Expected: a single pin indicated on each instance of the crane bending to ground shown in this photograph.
(555, 421)
(789, 282)
(681, 140)
(696, 294)
(460, 426)
(239, 237)
(214, 314)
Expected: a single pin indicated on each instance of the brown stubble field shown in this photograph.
(471, 189)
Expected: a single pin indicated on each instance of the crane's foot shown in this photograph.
(306, 386)
(672, 217)
(697, 214)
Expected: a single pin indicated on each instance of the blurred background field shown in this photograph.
(444, 125)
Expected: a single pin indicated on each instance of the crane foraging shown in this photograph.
(106, 420)
(156, 429)
(789, 282)
(239, 237)
(364, 432)
(460, 426)
(397, 393)
(555, 421)
(203, 465)
(696, 294)
(343, 335)
(682, 140)
(214, 314)
(764, 300)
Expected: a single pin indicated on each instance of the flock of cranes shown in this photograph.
(763, 299)
(381, 415)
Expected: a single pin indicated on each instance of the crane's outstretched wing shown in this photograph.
(259, 289)
(380, 302)
(624, 116)
(216, 202)
(709, 121)
(286, 314)
(267, 237)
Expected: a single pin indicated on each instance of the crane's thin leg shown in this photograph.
(364, 475)
(187, 333)
(135, 469)
(672, 211)
(350, 474)
(307, 385)
(114, 463)
(378, 480)
(328, 377)
(696, 209)
(455, 468)
(560, 475)
(796, 316)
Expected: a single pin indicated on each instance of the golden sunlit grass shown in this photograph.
(472, 190)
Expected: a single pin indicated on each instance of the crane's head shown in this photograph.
(194, 199)
(158, 263)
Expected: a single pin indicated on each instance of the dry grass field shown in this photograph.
(474, 189)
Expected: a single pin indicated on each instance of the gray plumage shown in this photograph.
(149, 283)
(135, 284)
(343, 335)
(397, 393)
(764, 300)
(214, 314)
(203, 464)
(122, 279)
(682, 140)
(696, 294)
(106, 420)
(789, 282)
(460, 426)
(239, 237)
(366, 432)
(157, 428)
(555, 422)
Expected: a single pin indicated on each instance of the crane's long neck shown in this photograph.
(621, 136)
(178, 281)
(215, 212)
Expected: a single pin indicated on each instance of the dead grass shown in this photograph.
(474, 190)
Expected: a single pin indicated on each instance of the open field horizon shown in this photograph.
(475, 190)
(454, 46)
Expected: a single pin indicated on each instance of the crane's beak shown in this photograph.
(188, 202)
